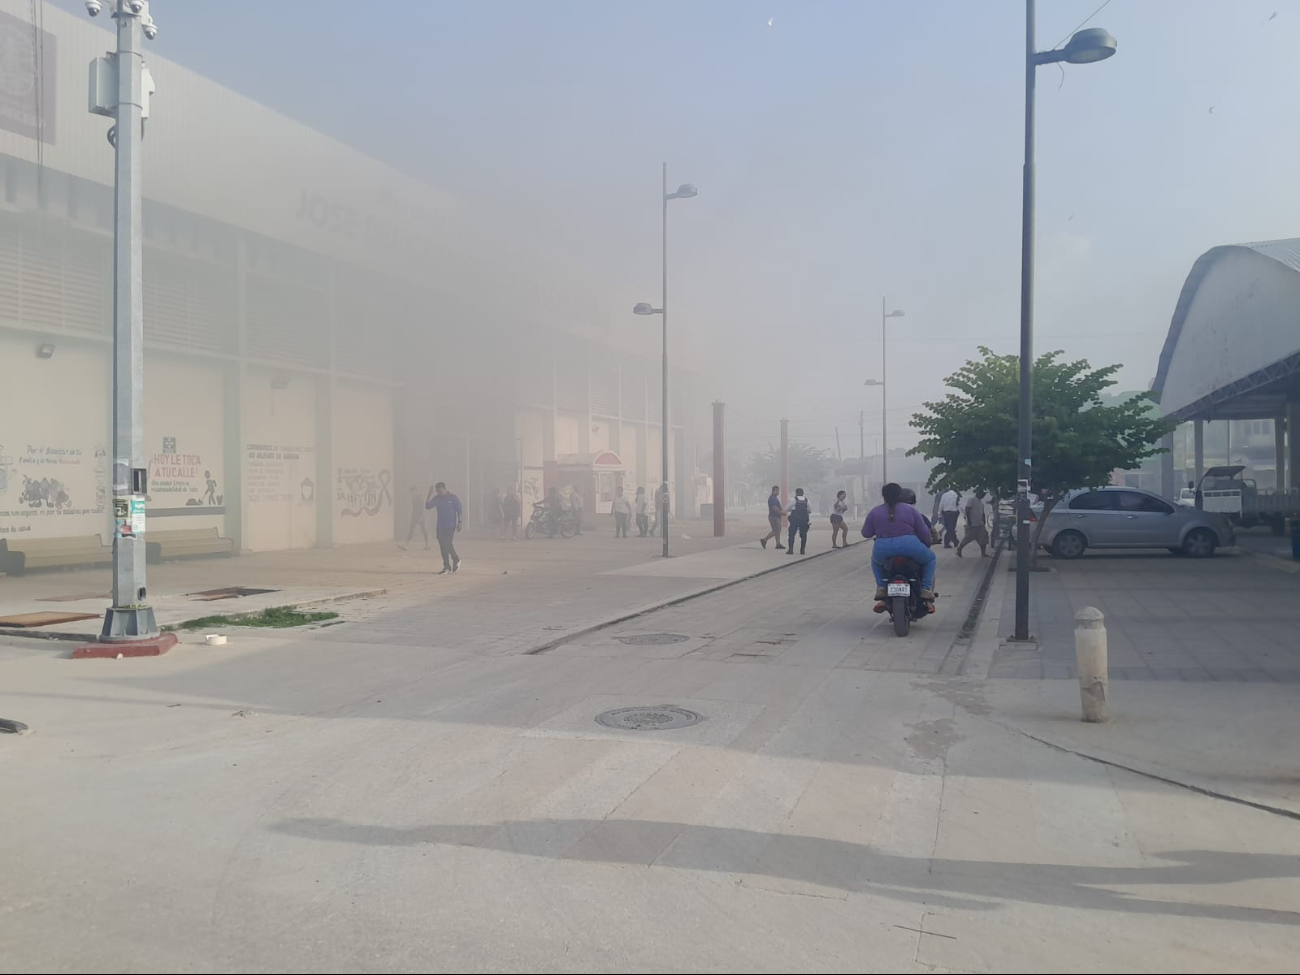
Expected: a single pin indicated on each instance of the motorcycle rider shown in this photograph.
(899, 529)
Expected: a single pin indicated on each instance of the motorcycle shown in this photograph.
(903, 600)
(543, 522)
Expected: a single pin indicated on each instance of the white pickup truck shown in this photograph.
(1223, 491)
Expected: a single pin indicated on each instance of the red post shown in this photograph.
(785, 462)
(719, 476)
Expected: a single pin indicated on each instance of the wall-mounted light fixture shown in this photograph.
(45, 350)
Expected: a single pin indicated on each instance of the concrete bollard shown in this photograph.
(1090, 658)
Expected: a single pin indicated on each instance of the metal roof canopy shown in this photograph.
(1263, 392)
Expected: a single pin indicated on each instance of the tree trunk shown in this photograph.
(1048, 505)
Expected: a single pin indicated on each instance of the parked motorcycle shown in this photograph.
(903, 600)
(544, 522)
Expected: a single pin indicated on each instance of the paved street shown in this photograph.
(433, 800)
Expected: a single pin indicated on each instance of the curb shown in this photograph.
(1272, 561)
(676, 600)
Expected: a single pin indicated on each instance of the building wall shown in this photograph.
(54, 465)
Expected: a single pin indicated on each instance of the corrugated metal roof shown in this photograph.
(1285, 251)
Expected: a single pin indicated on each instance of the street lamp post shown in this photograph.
(684, 192)
(1086, 46)
(120, 86)
(884, 386)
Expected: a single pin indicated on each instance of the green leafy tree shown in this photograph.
(810, 468)
(1079, 438)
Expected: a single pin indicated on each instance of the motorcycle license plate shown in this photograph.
(899, 589)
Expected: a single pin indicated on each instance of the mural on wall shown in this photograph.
(272, 474)
(43, 480)
(184, 483)
(362, 492)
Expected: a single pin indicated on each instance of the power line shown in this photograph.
(1070, 33)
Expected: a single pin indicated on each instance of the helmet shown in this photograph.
(909, 496)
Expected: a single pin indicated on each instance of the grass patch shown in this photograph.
(275, 617)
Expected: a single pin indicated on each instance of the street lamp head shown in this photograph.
(645, 308)
(684, 192)
(1093, 44)
(896, 313)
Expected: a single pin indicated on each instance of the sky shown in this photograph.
(844, 152)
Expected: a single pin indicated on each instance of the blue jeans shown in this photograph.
(910, 546)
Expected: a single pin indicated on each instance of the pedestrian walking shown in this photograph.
(510, 514)
(800, 516)
(949, 512)
(417, 519)
(838, 525)
(449, 522)
(622, 511)
(976, 524)
(774, 518)
(661, 516)
(496, 513)
(576, 503)
(642, 513)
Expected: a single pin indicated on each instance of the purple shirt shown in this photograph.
(907, 521)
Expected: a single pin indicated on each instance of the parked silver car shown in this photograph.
(1122, 517)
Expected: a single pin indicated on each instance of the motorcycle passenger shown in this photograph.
(800, 516)
(899, 529)
(909, 497)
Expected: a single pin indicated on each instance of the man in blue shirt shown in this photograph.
(449, 511)
(775, 511)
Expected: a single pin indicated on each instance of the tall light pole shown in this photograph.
(120, 86)
(1086, 46)
(684, 192)
(883, 383)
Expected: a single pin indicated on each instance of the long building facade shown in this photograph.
(323, 334)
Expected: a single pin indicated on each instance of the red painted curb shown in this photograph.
(137, 648)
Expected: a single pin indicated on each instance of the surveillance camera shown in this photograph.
(150, 30)
(93, 7)
(136, 6)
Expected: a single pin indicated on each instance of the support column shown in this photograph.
(326, 484)
(1167, 488)
(1279, 452)
(1293, 444)
(1198, 434)
(235, 447)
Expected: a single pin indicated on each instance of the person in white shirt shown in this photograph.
(621, 508)
(976, 524)
(642, 513)
(949, 511)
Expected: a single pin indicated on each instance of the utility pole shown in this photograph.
(719, 475)
(862, 460)
(120, 86)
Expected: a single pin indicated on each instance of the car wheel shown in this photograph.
(1199, 543)
(1069, 545)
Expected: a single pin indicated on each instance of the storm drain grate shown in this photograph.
(664, 717)
(652, 639)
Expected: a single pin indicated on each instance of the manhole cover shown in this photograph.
(652, 639)
(662, 718)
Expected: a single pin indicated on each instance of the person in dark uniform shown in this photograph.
(800, 515)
